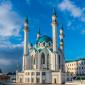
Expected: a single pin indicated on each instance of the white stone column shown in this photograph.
(25, 54)
(54, 37)
(55, 48)
(39, 61)
(40, 76)
(25, 42)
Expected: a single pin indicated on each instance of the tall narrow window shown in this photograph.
(34, 60)
(32, 80)
(42, 58)
(44, 44)
(59, 62)
(47, 61)
(37, 80)
(20, 80)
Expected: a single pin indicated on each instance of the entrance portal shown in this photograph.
(55, 80)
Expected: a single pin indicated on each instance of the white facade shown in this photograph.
(45, 60)
(75, 68)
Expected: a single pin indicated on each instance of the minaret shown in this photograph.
(61, 39)
(54, 32)
(25, 56)
(62, 48)
(38, 34)
(54, 29)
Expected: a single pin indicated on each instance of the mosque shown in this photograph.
(44, 61)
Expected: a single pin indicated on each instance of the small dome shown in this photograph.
(44, 39)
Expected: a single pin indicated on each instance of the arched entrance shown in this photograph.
(55, 81)
(20, 80)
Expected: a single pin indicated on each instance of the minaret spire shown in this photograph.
(38, 34)
(54, 32)
(25, 54)
(26, 36)
(54, 11)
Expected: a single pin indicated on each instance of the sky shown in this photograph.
(70, 13)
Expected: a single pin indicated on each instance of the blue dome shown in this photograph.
(44, 39)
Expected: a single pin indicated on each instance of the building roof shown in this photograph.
(75, 60)
(68, 61)
(44, 38)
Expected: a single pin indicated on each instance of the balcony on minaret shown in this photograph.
(54, 23)
(26, 24)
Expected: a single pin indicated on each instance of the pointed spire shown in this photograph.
(26, 19)
(39, 30)
(38, 34)
(17, 66)
(54, 18)
(54, 11)
(26, 24)
(61, 30)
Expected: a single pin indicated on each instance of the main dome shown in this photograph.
(44, 38)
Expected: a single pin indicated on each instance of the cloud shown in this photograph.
(69, 6)
(9, 20)
(10, 26)
(75, 11)
(5, 43)
(5, 62)
(9, 57)
(10, 23)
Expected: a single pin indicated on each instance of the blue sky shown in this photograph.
(70, 13)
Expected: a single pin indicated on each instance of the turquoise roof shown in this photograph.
(44, 39)
(75, 60)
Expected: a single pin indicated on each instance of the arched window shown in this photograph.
(42, 58)
(55, 80)
(59, 61)
(34, 60)
(44, 44)
(49, 44)
(47, 61)
(20, 80)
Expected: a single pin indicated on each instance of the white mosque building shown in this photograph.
(43, 62)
